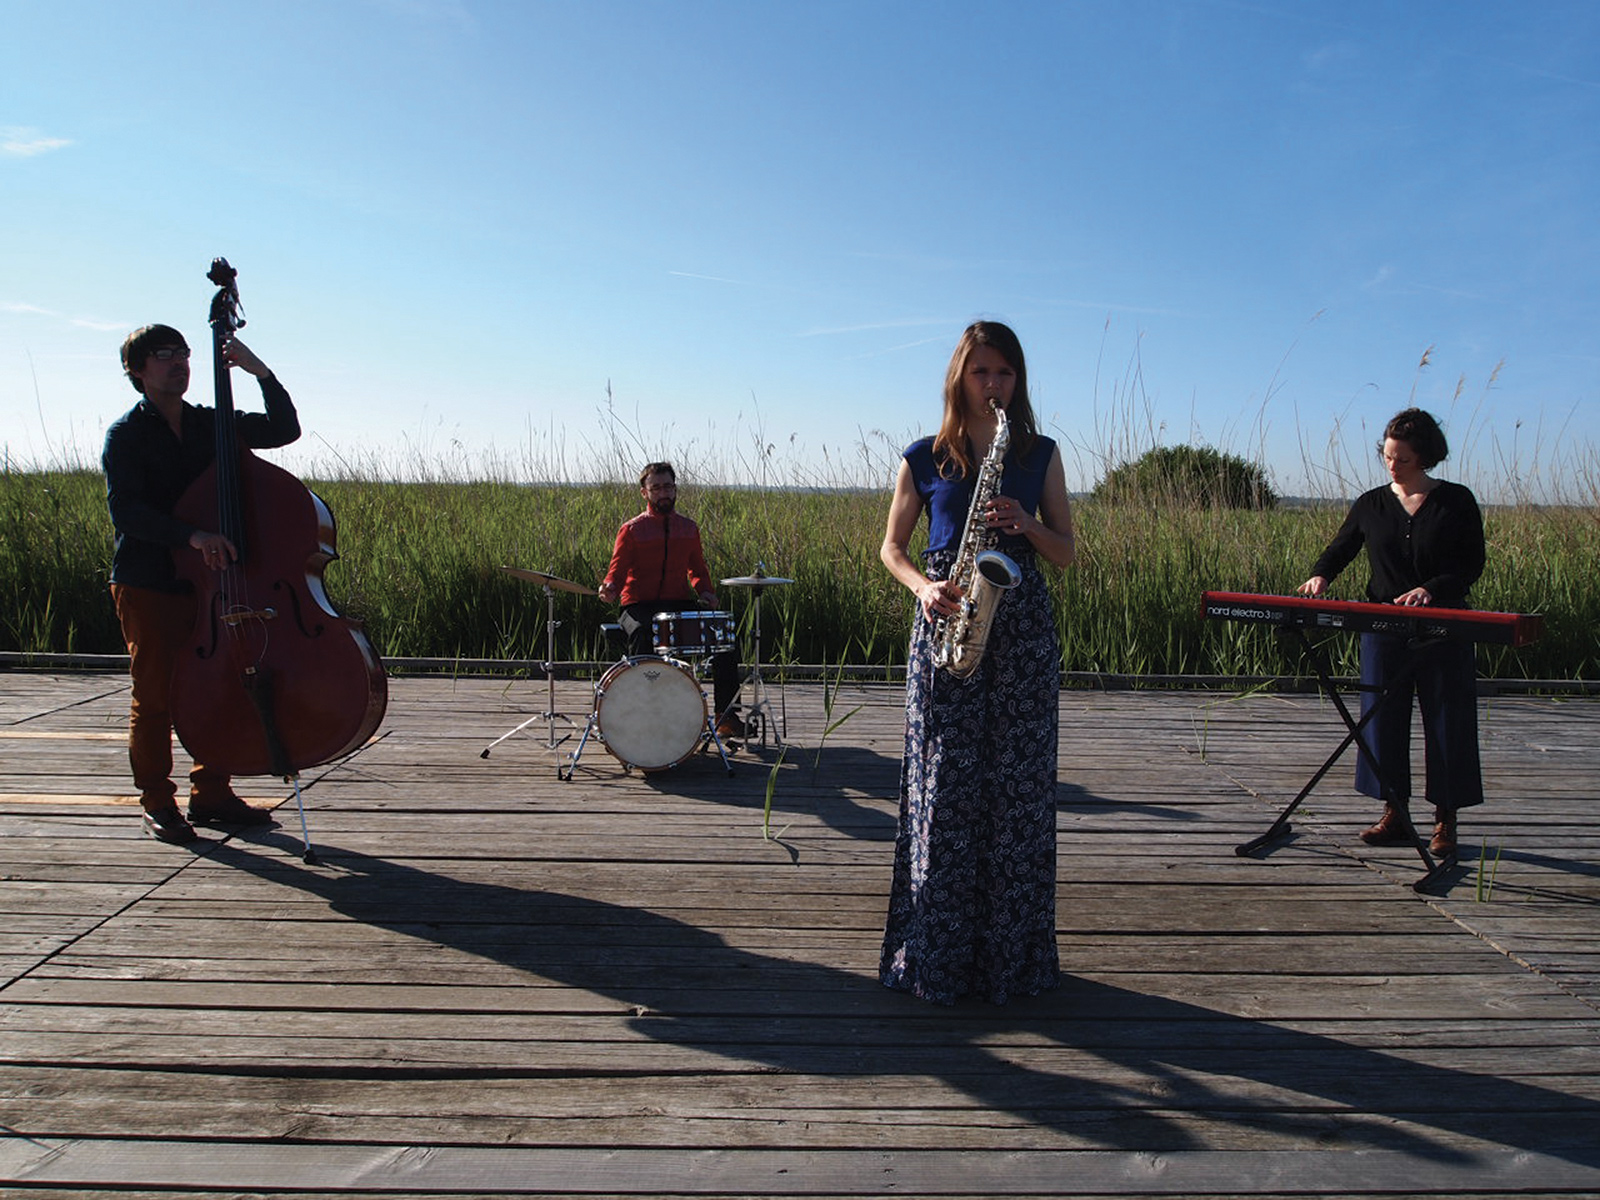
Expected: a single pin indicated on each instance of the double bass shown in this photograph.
(273, 680)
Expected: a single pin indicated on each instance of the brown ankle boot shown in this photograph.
(1443, 844)
(1392, 829)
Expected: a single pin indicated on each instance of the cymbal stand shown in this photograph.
(550, 715)
(761, 711)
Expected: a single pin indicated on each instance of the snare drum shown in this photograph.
(692, 632)
(650, 711)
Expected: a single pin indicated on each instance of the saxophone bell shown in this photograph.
(998, 570)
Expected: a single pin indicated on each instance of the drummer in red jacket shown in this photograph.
(657, 566)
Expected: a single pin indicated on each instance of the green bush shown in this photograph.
(1187, 477)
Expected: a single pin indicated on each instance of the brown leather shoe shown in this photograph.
(1443, 844)
(226, 810)
(731, 728)
(168, 825)
(1392, 829)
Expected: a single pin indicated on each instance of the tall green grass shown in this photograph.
(55, 559)
(420, 564)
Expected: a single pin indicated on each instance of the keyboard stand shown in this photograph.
(1319, 662)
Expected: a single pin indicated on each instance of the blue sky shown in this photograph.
(556, 239)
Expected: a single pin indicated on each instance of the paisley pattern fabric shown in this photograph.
(972, 904)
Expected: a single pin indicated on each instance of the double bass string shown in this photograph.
(236, 609)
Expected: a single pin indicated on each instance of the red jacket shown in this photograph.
(658, 561)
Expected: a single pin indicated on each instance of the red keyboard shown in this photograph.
(1359, 616)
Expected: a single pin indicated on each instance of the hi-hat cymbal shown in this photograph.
(756, 581)
(563, 585)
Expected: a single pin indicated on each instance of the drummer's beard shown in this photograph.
(663, 506)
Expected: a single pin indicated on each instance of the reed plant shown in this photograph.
(55, 564)
(420, 563)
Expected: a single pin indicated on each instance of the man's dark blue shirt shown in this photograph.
(148, 469)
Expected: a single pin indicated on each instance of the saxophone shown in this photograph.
(982, 573)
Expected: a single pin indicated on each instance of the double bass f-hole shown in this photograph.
(216, 620)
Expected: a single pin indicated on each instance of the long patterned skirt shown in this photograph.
(972, 905)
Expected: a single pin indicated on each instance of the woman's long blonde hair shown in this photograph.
(950, 444)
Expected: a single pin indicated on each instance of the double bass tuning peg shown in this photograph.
(226, 311)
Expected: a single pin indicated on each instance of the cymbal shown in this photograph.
(756, 581)
(561, 585)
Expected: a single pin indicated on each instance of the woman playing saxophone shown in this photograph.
(972, 904)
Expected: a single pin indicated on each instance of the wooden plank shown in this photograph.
(524, 1171)
(816, 1111)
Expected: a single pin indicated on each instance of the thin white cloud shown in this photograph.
(1387, 279)
(875, 326)
(98, 324)
(955, 322)
(1532, 69)
(1381, 279)
(1436, 289)
(708, 278)
(896, 349)
(1118, 306)
(17, 141)
(915, 261)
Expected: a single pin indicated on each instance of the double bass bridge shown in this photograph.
(238, 617)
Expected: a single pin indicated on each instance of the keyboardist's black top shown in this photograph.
(1441, 548)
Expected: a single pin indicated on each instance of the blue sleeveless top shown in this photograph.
(946, 501)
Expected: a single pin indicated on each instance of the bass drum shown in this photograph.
(651, 712)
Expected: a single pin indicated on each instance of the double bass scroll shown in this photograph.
(273, 680)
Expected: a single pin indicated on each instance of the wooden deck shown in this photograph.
(494, 983)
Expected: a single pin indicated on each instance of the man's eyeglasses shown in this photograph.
(168, 353)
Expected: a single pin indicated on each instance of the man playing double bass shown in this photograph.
(152, 454)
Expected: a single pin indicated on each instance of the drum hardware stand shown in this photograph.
(711, 738)
(550, 715)
(577, 752)
(565, 775)
(1280, 827)
(760, 713)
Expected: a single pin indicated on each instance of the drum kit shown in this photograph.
(650, 711)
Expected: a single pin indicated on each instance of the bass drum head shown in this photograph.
(651, 712)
